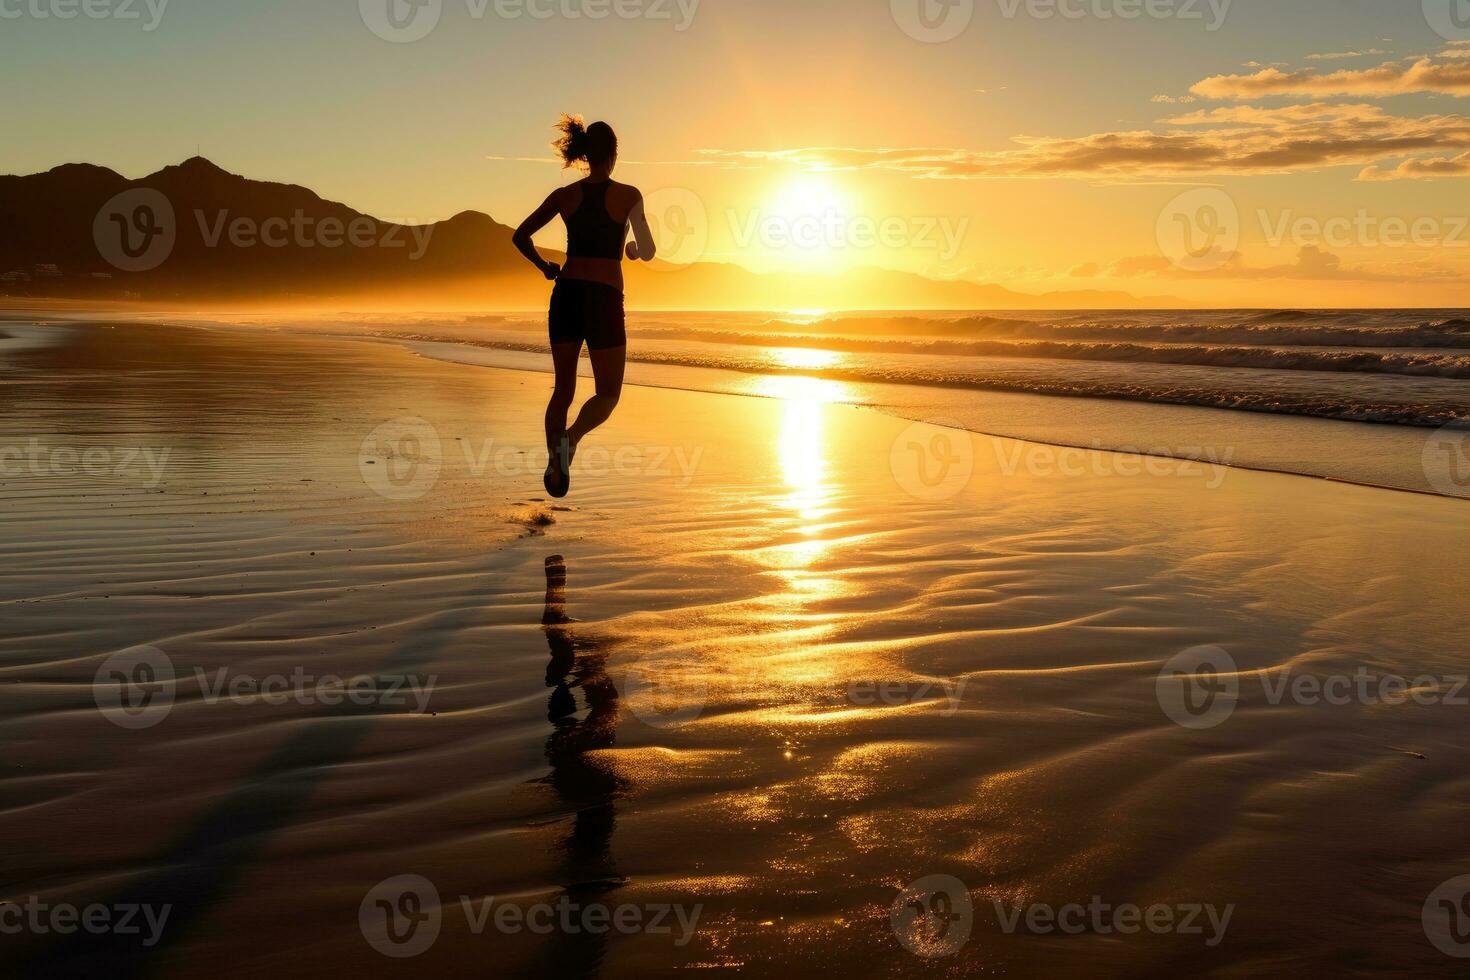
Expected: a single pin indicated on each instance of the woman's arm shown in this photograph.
(642, 246)
(539, 219)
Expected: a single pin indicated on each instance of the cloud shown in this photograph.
(1173, 99)
(1087, 270)
(1389, 78)
(545, 160)
(1221, 141)
(1421, 169)
(1148, 267)
(1313, 263)
(1340, 55)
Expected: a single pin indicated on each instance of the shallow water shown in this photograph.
(1284, 391)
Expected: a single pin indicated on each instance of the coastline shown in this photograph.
(1385, 456)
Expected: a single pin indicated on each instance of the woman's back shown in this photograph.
(597, 222)
(596, 212)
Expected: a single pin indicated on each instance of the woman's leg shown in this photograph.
(607, 369)
(564, 361)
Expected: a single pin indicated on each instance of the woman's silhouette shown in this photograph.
(587, 303)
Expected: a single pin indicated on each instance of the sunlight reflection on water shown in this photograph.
(802, 451)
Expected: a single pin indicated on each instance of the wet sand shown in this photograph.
(761, 674)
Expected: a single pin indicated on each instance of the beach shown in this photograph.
(293, 632)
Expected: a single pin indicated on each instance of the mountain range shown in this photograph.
(195, 234)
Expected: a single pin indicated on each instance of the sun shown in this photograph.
(810, 195)
(808, 219)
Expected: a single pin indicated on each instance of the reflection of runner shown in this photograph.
(583, 784)
(587, 303)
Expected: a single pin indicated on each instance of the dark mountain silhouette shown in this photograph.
(213, 236)
(223, 246)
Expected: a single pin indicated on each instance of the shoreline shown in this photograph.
(1289, 444)
(999, 435)
(442, 350)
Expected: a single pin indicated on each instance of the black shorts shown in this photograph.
(588, 311)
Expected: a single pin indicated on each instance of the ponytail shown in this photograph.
(583, 144)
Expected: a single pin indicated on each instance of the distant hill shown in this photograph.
(50, 234)
(195, 234)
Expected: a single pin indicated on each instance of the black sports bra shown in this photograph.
(591, 231)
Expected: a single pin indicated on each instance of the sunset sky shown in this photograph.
(1040, 153)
